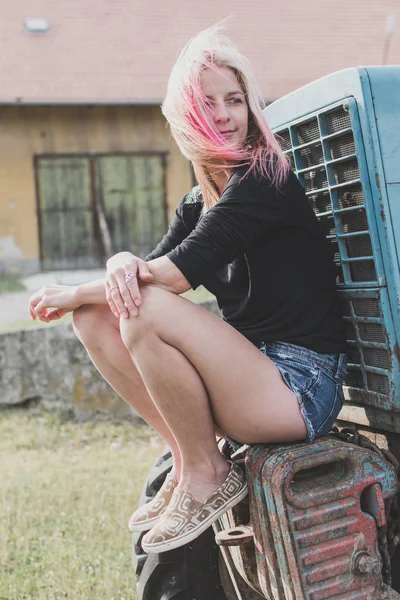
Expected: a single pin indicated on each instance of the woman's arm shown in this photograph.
(249, 210)
(125, 275)
(93, 292)
(124, 296)
(168, 276)
(52, 302)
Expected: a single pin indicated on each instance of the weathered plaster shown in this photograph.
(8, 248)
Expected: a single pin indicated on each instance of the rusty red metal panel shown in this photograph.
(315, 511)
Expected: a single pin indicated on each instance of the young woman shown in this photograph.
(272, 369)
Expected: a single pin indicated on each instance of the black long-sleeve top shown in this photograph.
(262, 252)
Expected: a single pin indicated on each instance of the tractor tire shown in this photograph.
(187, 573)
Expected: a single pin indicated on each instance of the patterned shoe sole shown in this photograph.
(191, 535)
(152, 511)
(144, 525)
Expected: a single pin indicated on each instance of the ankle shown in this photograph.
(209, 472)
(176, 470)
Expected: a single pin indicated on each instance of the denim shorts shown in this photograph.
(316, 379)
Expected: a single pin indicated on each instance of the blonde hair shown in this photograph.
(185, 108)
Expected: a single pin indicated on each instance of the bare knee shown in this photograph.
(90, 321)
(136, 329)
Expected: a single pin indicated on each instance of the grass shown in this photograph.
(67, 491)
(10, 283)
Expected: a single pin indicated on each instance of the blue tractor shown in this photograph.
(323, 519)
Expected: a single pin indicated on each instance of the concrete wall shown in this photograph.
(51, 366)
(26, 131)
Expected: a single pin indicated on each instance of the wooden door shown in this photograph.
(131, 191)
(67, 227)
(91, 207)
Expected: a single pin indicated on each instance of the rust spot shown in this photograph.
(382, 213)
(314, 512)
(396, 352)
(378, 183)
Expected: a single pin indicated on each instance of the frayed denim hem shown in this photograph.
(307, 421)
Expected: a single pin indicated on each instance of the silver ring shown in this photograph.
(129, 276)
(114, 288)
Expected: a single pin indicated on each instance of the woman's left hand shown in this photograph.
(52, 302)
(122, 286)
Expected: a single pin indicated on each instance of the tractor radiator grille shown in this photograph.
(327, 155)
(323, 153)
(369, 354)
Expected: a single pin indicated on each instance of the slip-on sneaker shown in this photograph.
(146, 516)
(186, 518)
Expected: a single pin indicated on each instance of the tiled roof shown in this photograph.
(122, 50)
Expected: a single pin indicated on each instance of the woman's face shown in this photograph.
(228, 107)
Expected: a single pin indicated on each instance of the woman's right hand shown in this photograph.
(124, 270)
(52, 302)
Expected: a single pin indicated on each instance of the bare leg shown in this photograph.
(206, 371)
(185, 408)
(97, 328)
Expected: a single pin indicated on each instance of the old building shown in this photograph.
(81, 182)
(87, 164)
